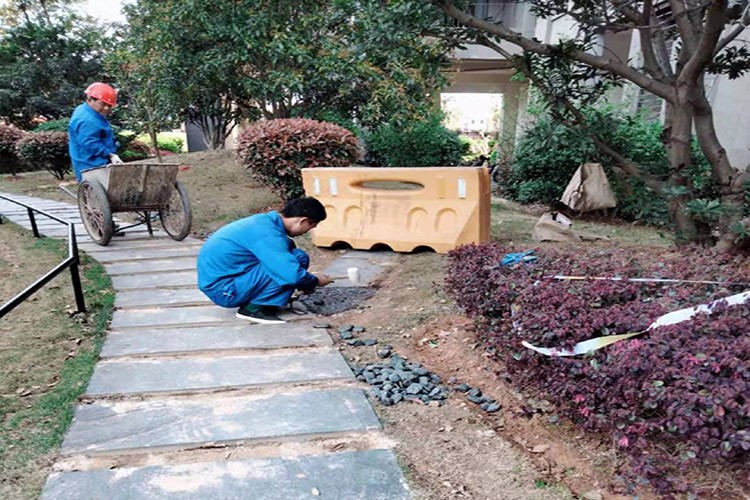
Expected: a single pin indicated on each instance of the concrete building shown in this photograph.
(479, 69)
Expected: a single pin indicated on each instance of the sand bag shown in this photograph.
(589, 189)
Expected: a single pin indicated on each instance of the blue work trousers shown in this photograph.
(255, 287)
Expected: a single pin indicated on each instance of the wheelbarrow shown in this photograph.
(133, 187)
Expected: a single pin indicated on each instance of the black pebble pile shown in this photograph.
(400, 380)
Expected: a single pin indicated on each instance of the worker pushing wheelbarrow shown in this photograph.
(107, 185)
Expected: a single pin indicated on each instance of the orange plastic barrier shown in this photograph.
(404, 208)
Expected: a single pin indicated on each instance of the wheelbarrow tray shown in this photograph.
(135, 186)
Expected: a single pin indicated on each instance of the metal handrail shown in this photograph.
(71, 262)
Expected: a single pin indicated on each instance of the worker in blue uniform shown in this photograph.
(254, 265)
(91, 142)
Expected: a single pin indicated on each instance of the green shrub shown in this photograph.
(549, 153)
(60, 125)
(173, 144)
(48, 150)
(275, 151)
(545, 159)
(421, 144)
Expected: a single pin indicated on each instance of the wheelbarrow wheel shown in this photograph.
(95, 211)
(177, 216)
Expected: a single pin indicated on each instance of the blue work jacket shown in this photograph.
(90, 139)
(238, 247)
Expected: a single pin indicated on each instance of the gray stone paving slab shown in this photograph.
(122, 425)
(114, 255)
(212, 338)
(356, 475)
(134, 376)
(369, 267)
(13, 209)
(160, 316)
(137, 281)
(44, 220)
(160, 297)
(163, 241)
(151, 266)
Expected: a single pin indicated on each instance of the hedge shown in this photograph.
(275, 151)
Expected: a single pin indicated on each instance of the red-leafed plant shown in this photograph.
(275, 151)
(671, 397)
(10, 163)
(47, 150)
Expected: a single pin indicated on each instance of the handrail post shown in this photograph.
(74, 275)
(32, 219)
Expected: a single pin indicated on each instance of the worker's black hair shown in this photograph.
(305, 207)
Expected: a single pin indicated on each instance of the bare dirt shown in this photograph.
(457, 450)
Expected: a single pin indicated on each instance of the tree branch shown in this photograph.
(688, 32)
(650, 62)
(627, 165)
(712, 28)
(604, 63)
(732, 35)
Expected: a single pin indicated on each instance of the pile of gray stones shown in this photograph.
(400, 380)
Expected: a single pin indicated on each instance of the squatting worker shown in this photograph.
(254, 265)
(90, 139)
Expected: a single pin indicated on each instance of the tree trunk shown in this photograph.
(728, 179)
(155, 144)
(678, 128)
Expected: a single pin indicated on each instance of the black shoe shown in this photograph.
(264, 315)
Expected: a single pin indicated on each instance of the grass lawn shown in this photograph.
(46, 356)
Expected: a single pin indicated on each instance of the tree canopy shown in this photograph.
(48, 55)
(362, 60)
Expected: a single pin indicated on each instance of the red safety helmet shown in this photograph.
(103, 92)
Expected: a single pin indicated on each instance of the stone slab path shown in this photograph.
(179, 377)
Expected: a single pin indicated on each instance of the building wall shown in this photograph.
(731, 104)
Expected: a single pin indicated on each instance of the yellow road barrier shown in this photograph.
(404, 208)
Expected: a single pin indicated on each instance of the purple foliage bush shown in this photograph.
(275, 151)
(672, 397)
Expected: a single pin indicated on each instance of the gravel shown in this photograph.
(325, 301)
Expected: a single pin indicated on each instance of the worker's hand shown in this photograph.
(114, 159)
(324, 279)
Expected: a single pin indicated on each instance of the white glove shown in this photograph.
(114, 159)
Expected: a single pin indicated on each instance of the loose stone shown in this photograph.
(462, 387)
(414, 389)
(358, 329)
(492, 408)
(322, 325)
(369, 342)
